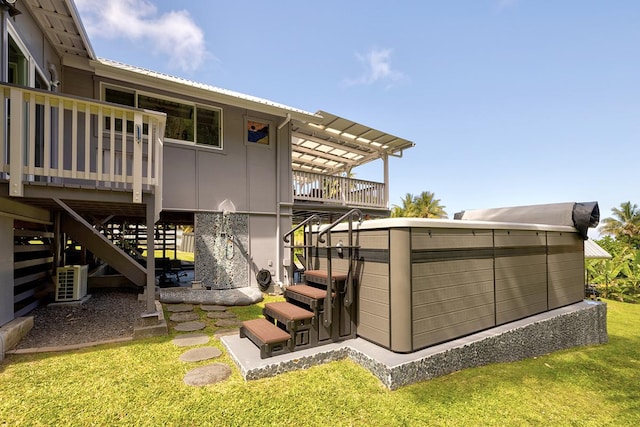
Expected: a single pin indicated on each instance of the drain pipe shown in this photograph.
(278, 201)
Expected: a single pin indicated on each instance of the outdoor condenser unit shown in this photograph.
(71, 284)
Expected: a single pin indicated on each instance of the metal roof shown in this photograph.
(593, 251)
(336, 144)
(61, 24)
(322, 142)
(230, 97)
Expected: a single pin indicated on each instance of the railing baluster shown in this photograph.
(112, 148)
(74, 140)
(87, 142)
(99, 154)
(137, 158)
(31, 148)
(60, 165)
(47, 137)
(17, 152)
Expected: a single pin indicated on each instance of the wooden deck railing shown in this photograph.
(53, 138)
(339, 190)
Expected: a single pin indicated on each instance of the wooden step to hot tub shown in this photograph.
(321, 277)
(270, 339)
(292, 318)
(307, 296)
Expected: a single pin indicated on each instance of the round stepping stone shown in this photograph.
(228, 323)
(200, 353)
(225, 332)
(187, 340)
(189, 326)
(206, 375)
(221, 315)
(178, 308)
(206, 307)
(186, 316)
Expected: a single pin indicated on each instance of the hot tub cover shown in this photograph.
(582, 216)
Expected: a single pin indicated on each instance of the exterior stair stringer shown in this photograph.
(82, 232)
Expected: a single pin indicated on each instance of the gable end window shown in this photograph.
(185, 122)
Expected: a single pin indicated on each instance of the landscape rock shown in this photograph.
(226, 297)
(188, 316)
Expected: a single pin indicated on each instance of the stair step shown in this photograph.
(322, 274)
(308, 291)
(268, 337)
(287, 311)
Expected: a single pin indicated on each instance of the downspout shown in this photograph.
(278, 201)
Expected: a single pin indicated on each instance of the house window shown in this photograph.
(185, 122)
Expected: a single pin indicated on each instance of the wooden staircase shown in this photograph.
(321, 310)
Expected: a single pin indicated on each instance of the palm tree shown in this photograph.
(424, 205)
(624, 224)
(429, 206)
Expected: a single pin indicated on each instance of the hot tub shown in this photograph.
(420, 282)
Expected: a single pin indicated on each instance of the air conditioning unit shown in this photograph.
(71, 283)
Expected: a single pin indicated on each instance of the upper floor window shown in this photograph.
(185, 122)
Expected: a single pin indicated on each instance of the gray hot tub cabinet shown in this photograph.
(421, 281)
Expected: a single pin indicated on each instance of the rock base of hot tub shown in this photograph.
(579, 324)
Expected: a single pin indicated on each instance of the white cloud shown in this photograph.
(377, 68)
(173, 34)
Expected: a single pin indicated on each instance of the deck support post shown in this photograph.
(151, 260)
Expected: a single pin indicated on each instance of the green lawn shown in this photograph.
(140, 383)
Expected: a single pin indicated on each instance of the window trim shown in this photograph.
(104, 86)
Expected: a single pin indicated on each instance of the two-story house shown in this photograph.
(89, 142)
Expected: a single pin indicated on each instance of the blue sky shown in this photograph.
(509, 102)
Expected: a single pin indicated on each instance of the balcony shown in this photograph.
(314, 187)
(59, 140)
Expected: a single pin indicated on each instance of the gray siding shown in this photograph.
(565, 269)
(452, 291)
(520, 275)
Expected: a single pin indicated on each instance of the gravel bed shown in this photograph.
(108, 314)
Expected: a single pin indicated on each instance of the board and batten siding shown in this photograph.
(452, 284)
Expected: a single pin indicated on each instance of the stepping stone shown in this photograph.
(228, 323)
(225, 332)
(221, 315)
(206, 375)
(187, 316)
(206, 307)
(189, 326)
(177, 308)
(201, 353)
(187, 340)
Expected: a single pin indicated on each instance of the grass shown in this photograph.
(140, 383)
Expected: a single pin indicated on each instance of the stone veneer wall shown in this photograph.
(221, 249)
(580, 324)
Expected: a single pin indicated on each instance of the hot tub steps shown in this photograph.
(270, 339)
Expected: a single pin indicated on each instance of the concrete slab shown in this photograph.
(12, 332)
(70, 303)
(583, 323)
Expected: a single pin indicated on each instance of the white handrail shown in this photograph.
(62, 139)
(337, 189)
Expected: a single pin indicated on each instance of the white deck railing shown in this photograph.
(339, 190)
(52, 138)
